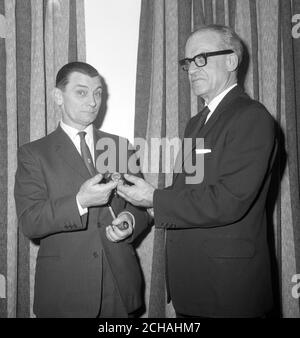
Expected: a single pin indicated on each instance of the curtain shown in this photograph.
(36, 39)
(164, 103)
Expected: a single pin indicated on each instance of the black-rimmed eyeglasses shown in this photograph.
(201, 59)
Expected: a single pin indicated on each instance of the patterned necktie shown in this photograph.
(86, 154)
(88, 161)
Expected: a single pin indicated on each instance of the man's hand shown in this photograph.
(91, 193)
(139, 194)
(115, 232)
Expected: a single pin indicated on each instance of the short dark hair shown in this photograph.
(62, 77)
(230, 39)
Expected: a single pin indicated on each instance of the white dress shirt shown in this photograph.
(89, 138)
(212, 107)
(215, 101)
(75, 138)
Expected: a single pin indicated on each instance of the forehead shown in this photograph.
(203, 41)
(79, 79)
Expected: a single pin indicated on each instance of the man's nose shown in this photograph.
(92, 101)
(193, 68)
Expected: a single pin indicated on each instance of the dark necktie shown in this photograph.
(88, 161)
(191, 132)
(86, 154)
(194, 130)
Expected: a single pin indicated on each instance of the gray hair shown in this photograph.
(229, 37)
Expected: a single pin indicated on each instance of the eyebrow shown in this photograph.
(84, 86)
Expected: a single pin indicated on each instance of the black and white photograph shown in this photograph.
(150, 162)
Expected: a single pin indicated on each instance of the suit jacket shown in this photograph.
(68, 268)
(217, 254)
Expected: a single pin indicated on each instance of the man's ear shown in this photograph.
(57, 96)
(232, 62)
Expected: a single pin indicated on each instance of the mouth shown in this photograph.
(90, 112)
(196, 79)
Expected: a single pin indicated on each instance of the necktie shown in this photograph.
(191, 132)
(198, 124)
(86, 154)
(88, 161)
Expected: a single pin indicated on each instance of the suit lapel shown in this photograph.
(68, 153)
(229, 97)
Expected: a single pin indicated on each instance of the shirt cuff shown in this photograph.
(151, 212)
(82, 211)
(130, 214)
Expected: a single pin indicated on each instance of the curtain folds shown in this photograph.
(40, 37)
(164, 103)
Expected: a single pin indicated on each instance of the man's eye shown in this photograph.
(81, 93)
(200, 59)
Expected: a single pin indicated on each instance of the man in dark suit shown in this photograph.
(86, 265)
(217, 260)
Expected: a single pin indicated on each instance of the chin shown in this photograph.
(91, 118)
(198, 88)
(198, 91)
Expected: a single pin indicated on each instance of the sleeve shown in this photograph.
(142, 220)
(141, 217)
(38, 214)
(81, 210)
(242, 169)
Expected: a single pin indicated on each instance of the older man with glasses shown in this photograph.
(217, 255)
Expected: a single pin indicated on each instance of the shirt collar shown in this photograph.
(73, 132)
(215, 101)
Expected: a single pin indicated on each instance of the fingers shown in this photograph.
(110, 234)
(122, 222)
(132, 179)
(96, 179)
(91, 193)
(127, 190)
(111, 185)
(106, 186)
(123, 191)
(122, 188)
(120, 229)
(114, 234)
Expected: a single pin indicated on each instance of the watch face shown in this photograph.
(123, 226)
(116, 177)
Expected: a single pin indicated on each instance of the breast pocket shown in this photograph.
(49, 257)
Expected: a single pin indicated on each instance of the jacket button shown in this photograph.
(95, 254)
(98, 224)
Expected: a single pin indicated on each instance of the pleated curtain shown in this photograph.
(36, 38)
(164, 103)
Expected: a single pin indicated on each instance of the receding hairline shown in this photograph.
(228, 38)
(219, 29)
(203, 31)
